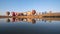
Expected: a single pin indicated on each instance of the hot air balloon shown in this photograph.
(13, 14)
(33, 12)
(7, 13)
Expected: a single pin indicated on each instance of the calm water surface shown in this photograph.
(33, 26)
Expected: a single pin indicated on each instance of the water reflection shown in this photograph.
(31, 20)
(8, 20)
(21, 19)
(13, 19)
(34, 25)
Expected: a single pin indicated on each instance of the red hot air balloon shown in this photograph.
(13, 14)
(33, 12)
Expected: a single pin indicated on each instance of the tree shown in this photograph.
(8, 13)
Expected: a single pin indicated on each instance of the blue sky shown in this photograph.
(28, 5)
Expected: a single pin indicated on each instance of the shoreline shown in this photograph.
(30, 16)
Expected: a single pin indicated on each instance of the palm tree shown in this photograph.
(8, 13)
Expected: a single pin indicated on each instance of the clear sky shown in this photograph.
(28, 5)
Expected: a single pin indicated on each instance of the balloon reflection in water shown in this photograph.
(13, 19)
(33, 21)
(8, 20)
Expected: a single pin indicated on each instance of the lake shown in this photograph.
(29, 26)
